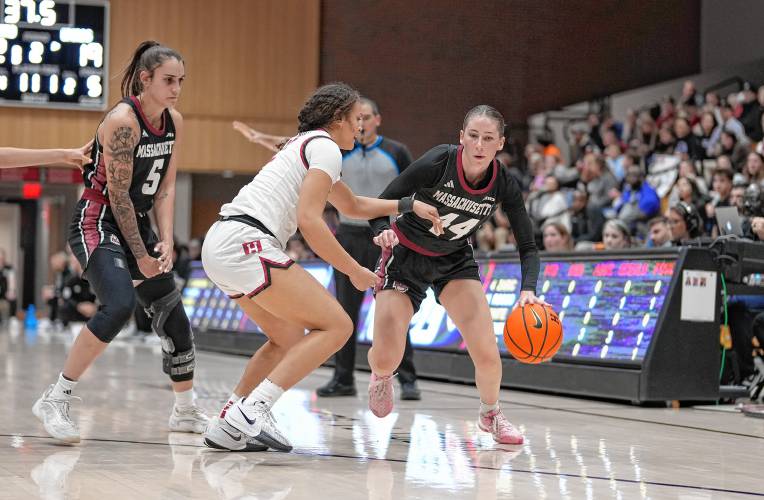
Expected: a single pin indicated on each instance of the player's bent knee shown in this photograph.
(111, 317)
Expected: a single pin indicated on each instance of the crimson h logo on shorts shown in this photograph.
(252, 247)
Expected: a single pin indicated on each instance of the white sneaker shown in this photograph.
(52, 475)
(54, 415)
(191, 419)
(258, 422)
(223, 436)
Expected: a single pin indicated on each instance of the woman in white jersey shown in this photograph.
(244, 255)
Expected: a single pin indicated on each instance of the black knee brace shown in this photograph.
(162, 302)
(112, 284)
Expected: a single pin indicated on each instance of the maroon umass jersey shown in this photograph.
(93, 223)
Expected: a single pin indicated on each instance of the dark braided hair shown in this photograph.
(328, 104)
(146, 57)
(490, 112)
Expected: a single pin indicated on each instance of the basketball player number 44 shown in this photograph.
(459, 230)
(154, 177)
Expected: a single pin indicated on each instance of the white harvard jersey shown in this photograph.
(272, 195)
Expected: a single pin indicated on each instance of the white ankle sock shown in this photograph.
(485, 408)
(184, 399)
(63, 388)
(234, 398)
(267, 392)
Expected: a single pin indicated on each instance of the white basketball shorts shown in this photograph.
(238, 258)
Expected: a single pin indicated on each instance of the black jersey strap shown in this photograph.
(305, 145)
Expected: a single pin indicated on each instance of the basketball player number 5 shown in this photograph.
(459, 230)
(154, 178)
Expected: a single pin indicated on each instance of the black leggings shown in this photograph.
(111, 282)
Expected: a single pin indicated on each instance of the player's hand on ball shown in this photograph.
(386, 239)
(528, 297)
(430, 213)
(363, 279)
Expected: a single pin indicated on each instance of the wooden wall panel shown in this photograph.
(252, 60)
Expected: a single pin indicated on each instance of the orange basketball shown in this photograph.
(533, 333)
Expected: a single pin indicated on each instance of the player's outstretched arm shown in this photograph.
(310, 208)
(17, 157)
(266, 140)
(362, 207)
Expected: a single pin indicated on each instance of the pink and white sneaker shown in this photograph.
(497, 424)
(381, 393)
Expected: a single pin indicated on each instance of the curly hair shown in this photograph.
(328, 104)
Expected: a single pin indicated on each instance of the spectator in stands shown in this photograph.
(616, 235)
(712, 102)
(630, 131)
(732, 124)
(737, 196)
(730, 147)
(688, 192)
(658, 234)
(668, 112)
(536, 170)
(754, 168)
(614, 158)
(690, 95)
(639, 201)
(687, 143)
(556, 237)
(7, 285)
(666, 141)
(647, 138)
(750, 112)
(687, 169)
(598, 181)
(583, 228)
(514, 169)
(579, 142)
(684, 222)
(59, 267)
(720, 197)
(708, 134)
(549, 203)
(594, 130)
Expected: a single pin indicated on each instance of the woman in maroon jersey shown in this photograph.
(466, 184)
(133, 168)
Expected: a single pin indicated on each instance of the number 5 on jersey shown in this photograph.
(154, 178)
(459, 230)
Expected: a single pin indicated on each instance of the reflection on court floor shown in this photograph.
(425, 449)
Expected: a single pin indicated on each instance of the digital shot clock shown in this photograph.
(54, 54)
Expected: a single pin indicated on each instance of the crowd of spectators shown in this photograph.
(653, 178)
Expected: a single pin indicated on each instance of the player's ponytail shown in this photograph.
(146, 57)
(328, 104)
(490, 112)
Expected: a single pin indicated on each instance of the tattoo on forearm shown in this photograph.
(119, 176)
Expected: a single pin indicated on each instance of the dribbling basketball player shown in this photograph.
(467, 184)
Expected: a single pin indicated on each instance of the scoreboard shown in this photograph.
(609, 309)
(54, 54)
